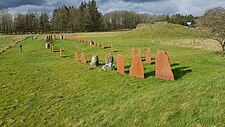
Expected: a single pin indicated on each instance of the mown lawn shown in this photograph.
(38, 88)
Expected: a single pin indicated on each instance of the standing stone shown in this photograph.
(109, 63)
(21, 48)
(83, 58)
(76, 56)
(148, 56)
(112, 48)
(109, 59)
(120, 64)
(98, 44)
(91, 43)
(139, 52)
(94, 62)
(163, 68)
(95, 44)
(60, 52)
(46, 39)
(137, 69)
(103, 46)
(54, 36)
(47, 45)
(52, 48)
(133, 52)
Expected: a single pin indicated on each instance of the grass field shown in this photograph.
(38, 88)
(5, 40)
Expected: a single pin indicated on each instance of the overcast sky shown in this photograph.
(195, 7)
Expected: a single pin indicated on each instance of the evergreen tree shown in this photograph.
(59, 22)
(44, 22)
(81, 16)
(73, 19)
(31, 22)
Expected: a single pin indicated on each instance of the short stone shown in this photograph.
(148, 56)
(103, 46)
(112, 48)
(137, 69)
(76, 56)
(83, 58)
(94, 61)
(47, 45)
(109, 63)
(52, 48)
(60, 52)
(109, 59)
(120, 63)
(163, 68)
(99, 45)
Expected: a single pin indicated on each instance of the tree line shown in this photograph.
(85, 18)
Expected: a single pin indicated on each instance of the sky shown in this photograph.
(195, 7)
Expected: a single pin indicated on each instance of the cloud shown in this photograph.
(195, 7)
(131, 1)
(165, 7)
(16, 3)
(142, 1)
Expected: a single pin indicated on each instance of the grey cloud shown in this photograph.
(142, 1)
(16, 3)
(195, 7)
(130, 1)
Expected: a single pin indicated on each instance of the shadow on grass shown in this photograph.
(55, 50)
(143, 59)
(127, 69)
(127, 72)
(175, 64)
(107, 47)
(148, 74)
(180, 72)
(101, 64)
(65, 56)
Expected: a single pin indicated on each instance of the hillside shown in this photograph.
(38, 88)
(163, 31)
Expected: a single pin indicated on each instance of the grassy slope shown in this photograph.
(5, 40)
(37, 88)
(163, 31)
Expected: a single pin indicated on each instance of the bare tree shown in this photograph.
(214, 20)
(6, 22)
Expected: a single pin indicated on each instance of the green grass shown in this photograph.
(38, 88)
(5, 40)
(163, 32)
